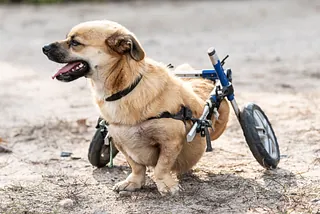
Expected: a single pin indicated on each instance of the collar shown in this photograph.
(124, 92)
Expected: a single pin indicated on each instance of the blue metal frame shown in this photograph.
(217, 74)
(210, 74)
(223, 77)
(216, 95)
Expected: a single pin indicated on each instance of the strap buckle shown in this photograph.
(204, 132)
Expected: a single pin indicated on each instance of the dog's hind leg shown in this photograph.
(135, 180)
(169, 152)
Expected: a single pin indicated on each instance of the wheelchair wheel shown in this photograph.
(99, 152)
(260, 136)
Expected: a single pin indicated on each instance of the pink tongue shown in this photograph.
(66, 68)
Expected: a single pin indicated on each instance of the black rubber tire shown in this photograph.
(99, 153)
(248, 125)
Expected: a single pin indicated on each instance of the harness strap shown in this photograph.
(184, 114)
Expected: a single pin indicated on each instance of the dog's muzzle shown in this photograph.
(54, 52)
(73, 70)
(47, 48)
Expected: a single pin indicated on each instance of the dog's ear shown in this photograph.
(123, 44)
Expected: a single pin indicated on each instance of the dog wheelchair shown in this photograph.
(255, 125)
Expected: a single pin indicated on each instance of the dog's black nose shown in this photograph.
(46, 49)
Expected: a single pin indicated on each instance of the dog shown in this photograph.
(131, 92)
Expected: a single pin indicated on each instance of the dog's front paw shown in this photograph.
(168, 188)
(126, 186)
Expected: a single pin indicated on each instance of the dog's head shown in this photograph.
(91, 46)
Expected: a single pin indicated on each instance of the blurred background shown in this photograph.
(274, 48)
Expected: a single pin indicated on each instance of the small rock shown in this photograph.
(238, 170)
(4, 149)
(124, 193)
(82, 125)
(284, 85)
(66, 203)
(75, 158)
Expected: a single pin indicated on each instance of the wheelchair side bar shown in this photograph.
(206, 73)
(193, 131)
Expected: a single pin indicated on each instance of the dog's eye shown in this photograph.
(74, 43)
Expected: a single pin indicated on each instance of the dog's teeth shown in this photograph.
(72, 69)
(81, 65)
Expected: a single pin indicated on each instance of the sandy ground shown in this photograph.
(274, 49)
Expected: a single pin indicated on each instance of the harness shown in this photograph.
(184, 114)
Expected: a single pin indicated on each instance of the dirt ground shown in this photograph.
(274, 49)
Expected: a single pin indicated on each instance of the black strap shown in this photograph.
(184, 114)
(124, 92)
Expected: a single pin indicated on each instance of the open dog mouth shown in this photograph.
(72, 71)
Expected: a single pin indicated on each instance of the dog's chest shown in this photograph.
(139, 142)
(115, 111)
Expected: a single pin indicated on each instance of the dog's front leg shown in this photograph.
(162, 172)
(135, 180)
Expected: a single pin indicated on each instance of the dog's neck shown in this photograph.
(104, 84)
(155, 77)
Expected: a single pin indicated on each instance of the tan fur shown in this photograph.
(161, 143)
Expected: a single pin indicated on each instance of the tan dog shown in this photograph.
(114, 61)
